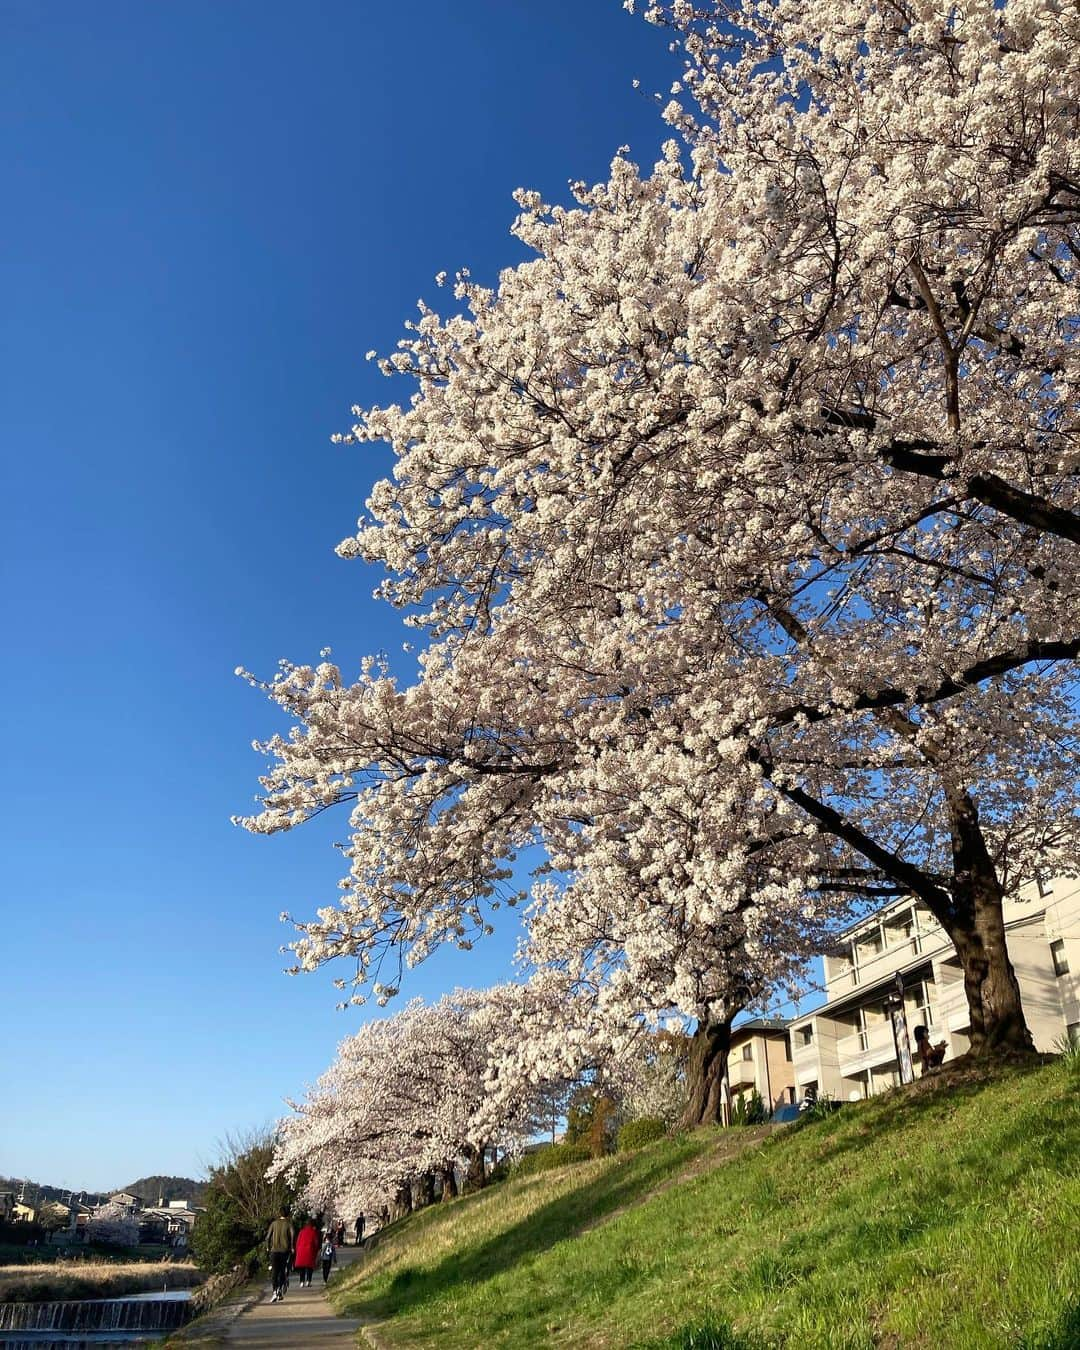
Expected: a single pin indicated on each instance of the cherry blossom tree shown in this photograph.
(924, 179)
(740, 523)
(405, 1103)
(113, 1225)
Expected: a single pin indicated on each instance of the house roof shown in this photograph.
(753, 1024)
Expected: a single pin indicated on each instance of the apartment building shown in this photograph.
(760, 1060)
(845, 1047)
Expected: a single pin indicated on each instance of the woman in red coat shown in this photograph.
(307, 1253)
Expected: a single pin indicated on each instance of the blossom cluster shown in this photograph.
(740, 523)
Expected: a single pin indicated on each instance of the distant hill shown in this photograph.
(148, 1189)
(152, 1189)
(37, 1193)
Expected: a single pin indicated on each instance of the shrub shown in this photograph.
(591, 1119)
(638, 1133)
(711, 1335)
(821, 1108)
(748, 1113)
(555, 1155)
(240, 1203)
(1069, 1051)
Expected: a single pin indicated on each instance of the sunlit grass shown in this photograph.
(940, 1219)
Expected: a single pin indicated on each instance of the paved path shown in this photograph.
(302, 1318)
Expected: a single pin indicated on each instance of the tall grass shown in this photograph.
(941, 1218)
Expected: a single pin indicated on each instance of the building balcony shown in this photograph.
(900, 951)
(866, 1049)
(741, 1074)
(804, 1054)
(951, 1012)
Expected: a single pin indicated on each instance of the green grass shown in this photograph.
(943, 1218)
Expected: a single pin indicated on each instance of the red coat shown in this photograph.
(307, 1247)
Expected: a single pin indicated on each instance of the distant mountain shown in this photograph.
(148, 1189)
(37, 1193)
(152, 1189)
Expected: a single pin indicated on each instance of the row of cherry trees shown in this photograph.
(419, 1101)
(741, 525)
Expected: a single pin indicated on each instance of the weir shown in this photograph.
(94, 1315)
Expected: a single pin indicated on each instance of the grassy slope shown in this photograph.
(943, 1218)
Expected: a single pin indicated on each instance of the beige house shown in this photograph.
(178, 1218)
(125, 1198)
(760, 1060)
(845, 1047)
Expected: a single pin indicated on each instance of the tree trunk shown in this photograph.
(425, 1189)
(403, 1201)
(449, 1182)
(976, 925)
(706, 1073)
(475, 1177)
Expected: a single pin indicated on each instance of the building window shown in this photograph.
(806, 1035)
(1043, 885)
(922, 1003)
(787, 1049)
(1057, 954)
(747, 1051)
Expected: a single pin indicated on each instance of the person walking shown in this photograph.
(329, 1254)
(307, 1251)
(279, 1241)
(358, 1229)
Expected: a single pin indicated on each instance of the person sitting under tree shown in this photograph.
(930, 1056)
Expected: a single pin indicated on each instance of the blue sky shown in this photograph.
(212, 211)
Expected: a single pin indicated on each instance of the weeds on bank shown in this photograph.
(92, 1279)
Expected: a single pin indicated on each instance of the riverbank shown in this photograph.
(56, 1281)
(939, 1215)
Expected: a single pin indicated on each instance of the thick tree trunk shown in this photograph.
(449, 1182)
(976, 925)
(425, 1190)
(403, 1201)
(706, 1074)
(475, 1177)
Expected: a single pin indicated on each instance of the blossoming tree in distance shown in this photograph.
(742, 526)
(406, 1102)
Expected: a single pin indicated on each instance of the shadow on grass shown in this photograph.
(875, 1123)
(709, 1335)
(1063, 1335)
(412, 1287)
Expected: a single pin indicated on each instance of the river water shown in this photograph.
(79, 1324)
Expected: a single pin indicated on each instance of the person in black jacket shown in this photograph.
(279, 1242)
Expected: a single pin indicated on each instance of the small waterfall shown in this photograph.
(95, 1315)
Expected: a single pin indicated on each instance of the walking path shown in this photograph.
(302, 1318)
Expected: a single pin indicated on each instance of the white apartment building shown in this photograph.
(845, 1047)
